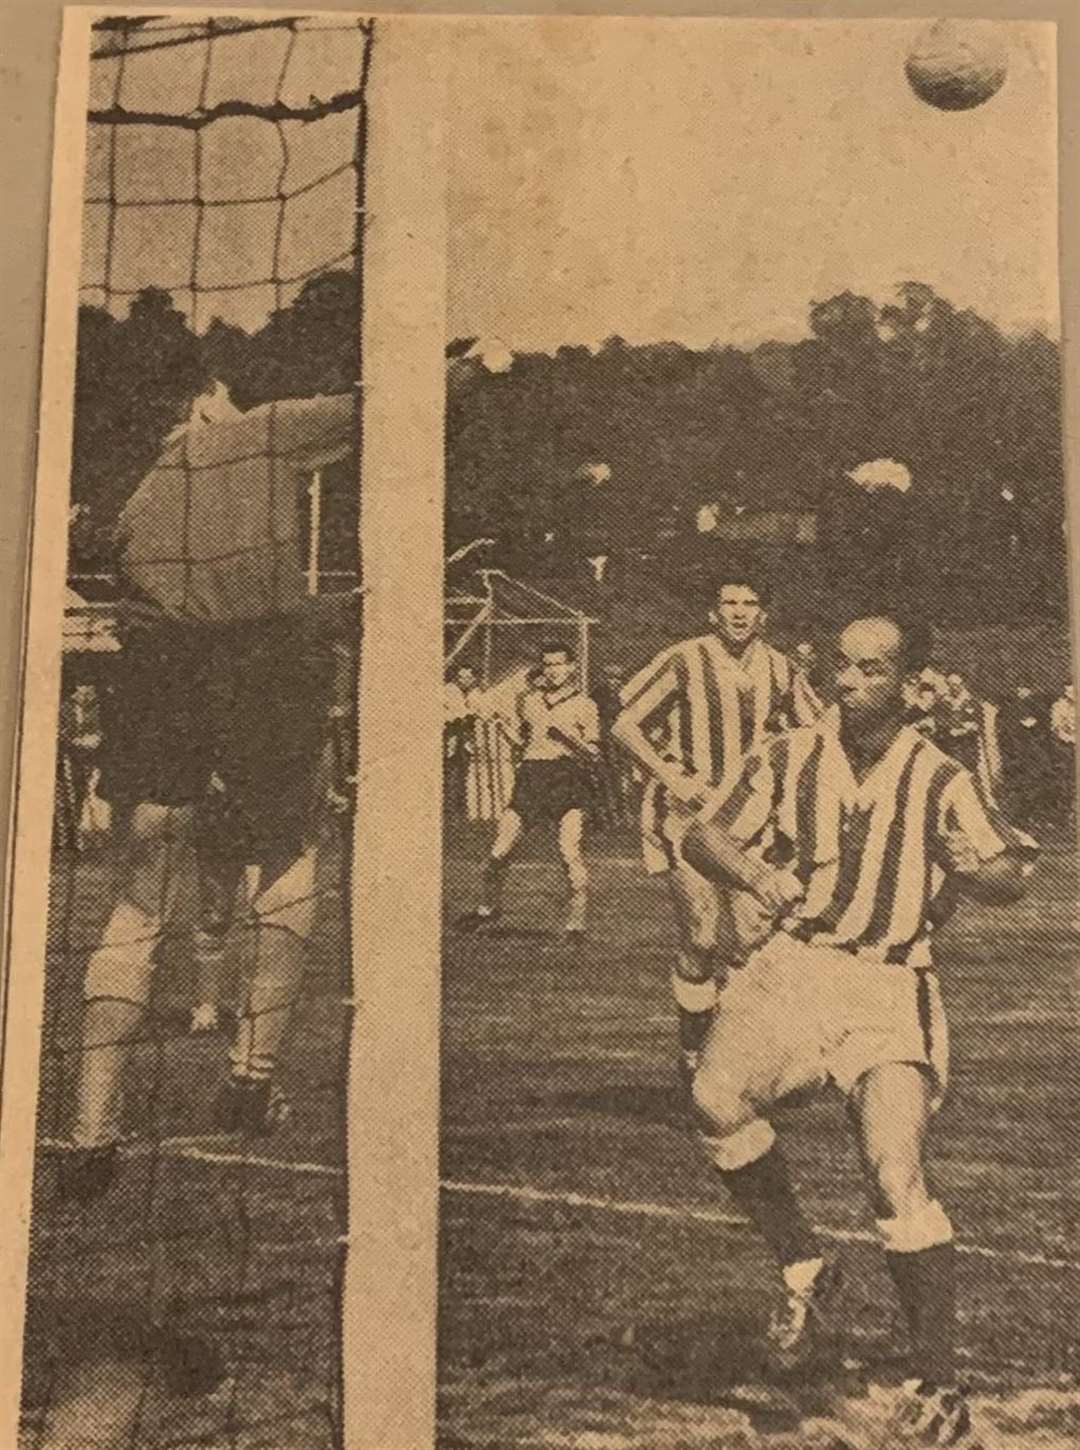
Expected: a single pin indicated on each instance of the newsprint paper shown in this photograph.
(544, 896)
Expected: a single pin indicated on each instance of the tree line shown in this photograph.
(613, 452)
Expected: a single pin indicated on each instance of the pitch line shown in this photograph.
(191, 1150)
(683, 1213)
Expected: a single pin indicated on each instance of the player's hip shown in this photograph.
(551, 787)
(798, 1014)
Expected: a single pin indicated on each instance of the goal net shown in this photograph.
(189, 1219)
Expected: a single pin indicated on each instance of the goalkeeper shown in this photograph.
(215, 731)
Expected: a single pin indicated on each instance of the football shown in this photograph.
(956, 65)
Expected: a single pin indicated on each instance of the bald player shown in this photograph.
(688, 719)
(850, 841)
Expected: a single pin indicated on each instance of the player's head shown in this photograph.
(465, 677)
(955, 682)
(738, 607)
(557, 664)
(876, 655)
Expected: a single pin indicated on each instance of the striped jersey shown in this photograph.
(870, 853)
(698, 706)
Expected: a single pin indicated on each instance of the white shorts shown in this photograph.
(797, 1016)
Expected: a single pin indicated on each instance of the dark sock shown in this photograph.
(926, 1287)
(494, 881)
(693, 1029)
(763, 1191)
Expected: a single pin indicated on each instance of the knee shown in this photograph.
(154, 828)
(734, 1148)
(696, 963)
(122, 966)
(287, 902)
(720, 1101)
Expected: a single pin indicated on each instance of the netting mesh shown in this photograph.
(189, 1222)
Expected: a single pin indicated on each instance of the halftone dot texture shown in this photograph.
(196, 1301)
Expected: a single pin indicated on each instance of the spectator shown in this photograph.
(1026, 757)
(615, 802)
(460, 695)
(606, 695)
(935, 678)
(957, 723)
(1063, 745)
(923, 710)
(80, 744)
(460, 703)
(1063, 717)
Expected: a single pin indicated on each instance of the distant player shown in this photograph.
(558, 730)
(852, 840)
(214, 733)
(688, 719)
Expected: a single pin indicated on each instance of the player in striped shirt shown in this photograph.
(850, 842)
(688, 718)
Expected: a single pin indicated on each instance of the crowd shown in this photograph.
(1021, 746)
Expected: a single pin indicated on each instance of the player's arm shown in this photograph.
(585, 741)
(984, 857)
(806, 704)
(315, 431)
(516, 726)
(645, 699)
(718, 856)
(716, 843)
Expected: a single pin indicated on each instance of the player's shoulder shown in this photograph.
(939, 761)
(796, 743)
(669, 654)
(682, 647)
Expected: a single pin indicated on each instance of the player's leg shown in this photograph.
(698, 972)
(155, 867)
(508, 831)
(571, 835)
(893, 1105)
(281, 914)
(763, 1044)
(716, 928)
(154, 766)
(219, 878)
(271, 726)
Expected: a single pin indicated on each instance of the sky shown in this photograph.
(704, 181)
(699, 181)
